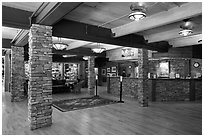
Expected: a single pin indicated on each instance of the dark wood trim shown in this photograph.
(16, 18)
(86, 32)
(79, 51)
(52, 12)
(153, 90)
(6, 43)
(108, 85)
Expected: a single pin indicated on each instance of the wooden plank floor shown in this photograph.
(164, 118)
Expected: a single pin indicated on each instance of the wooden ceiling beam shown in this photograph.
(186, 41)
(170, 34)
(21, 39)
(77, 44)
(15, 18)
(79, 52)
(6, 43)
(52, 12)
(86, 32)
(167, 17)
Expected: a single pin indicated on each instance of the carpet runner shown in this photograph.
(81, 103)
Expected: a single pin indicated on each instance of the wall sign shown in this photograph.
(127, 52)
(108, 69)
(103, 71)
(113, 69)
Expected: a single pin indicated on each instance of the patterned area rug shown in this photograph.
(81, 103)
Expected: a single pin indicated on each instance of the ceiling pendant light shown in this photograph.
(98, 49)
(85, 57)
(67, 56)
(186, 28)
(59, 45)
(138, 12)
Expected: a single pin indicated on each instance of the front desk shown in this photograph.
(176, 89)
(159, 89)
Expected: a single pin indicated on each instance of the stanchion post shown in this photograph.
(96, 94)
(121, 88)
(108, 85)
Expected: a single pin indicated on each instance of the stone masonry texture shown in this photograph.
(17, 73)
(40, 76)
(143, 76)
(91, 75)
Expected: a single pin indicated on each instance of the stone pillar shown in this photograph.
(143, 77)
(40, 76)
(91, 75)
(17, 74)
(7, 68)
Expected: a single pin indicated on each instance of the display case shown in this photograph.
(71, 71)
(57, 71)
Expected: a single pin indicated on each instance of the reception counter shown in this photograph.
(176, 89)
(160, 89)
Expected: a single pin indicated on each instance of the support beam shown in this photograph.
(52, 12)
(40, 76)
(6, 43)
(59, 58)
(185, 11)
(91, 75)
(79, 51)
(7, 71)
(143, 77)
(81, 31)
(77, 44)
(17, 74)
(170, 34)
(21, 39)
(15, 18)
(186, 41)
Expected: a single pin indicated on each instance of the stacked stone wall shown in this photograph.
(40, 76)
(17, 73)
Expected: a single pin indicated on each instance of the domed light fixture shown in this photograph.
(138, 12)
(85, 57)
(59, 45)
(67, 56)
(98, 49)
(186, 28)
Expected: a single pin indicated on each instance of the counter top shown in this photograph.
(162, 78)
(174, 79)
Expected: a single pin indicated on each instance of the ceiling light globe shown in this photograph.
(185, 32)
(137, 15)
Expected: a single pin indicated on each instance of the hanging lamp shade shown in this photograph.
(59, 45)
(85, 57)
(186, 28)
(138, 12)
(98, 49)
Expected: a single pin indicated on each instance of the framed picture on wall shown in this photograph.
(103, 71)
(163, 69)
(108, 69)
(113, 69)
(113, 74)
